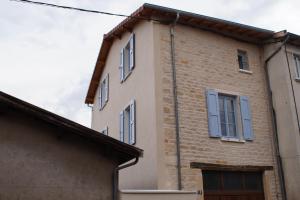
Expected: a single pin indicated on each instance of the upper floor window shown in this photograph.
(103, 92)
(297, 61)
(243, 60)
(127, 124)
(223, 116)
(227, 110)
(127, 58)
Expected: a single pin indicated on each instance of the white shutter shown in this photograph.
(106, 87)
(132, 122)
(132, 51)
(122, 126)
(121, 67)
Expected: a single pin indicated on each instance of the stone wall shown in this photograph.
(205, 60)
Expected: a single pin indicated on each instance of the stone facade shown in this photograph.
(209, 61)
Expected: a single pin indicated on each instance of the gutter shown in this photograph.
(172, 36)
(273, 119)
(116, 177)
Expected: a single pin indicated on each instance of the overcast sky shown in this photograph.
(47, 55)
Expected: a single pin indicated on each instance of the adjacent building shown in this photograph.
(45, 156)
(214, 104)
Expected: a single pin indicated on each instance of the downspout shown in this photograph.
(273, 119)
(172, 35)
(116, 177)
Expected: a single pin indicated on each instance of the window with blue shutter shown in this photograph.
(106, 88)
(132, 52)
(128, 124)
(127, 60)
(227, 110)
(132, 122)
(121, 67)
(223, 117)
(297, 63)
(122, 126)
(103, 92)
(246, 118)
(214, 127)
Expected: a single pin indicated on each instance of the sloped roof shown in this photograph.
(122, 151)
(166, 15)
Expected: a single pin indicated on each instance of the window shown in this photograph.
(297, 61)
(243, 60)
(127, 58)
(103, 92)
(223, 116)
(227, 115)
(104, 131)
(127, 124)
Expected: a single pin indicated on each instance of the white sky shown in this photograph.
(47, 55)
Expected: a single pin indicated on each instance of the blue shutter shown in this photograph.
(106, 87)
(132, 51)
(246, 118)
(132, 123)
(106, 130)
(214, 125)
(122, 126)
(100, 95)
(121, 67)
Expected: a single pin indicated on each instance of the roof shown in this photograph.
(166, 15)
(122, 151)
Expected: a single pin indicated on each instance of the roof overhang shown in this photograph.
(166, 16)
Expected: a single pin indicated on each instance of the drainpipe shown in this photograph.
(273, 119)
(116, 177)
(172, 35)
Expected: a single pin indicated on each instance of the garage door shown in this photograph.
(227, 185)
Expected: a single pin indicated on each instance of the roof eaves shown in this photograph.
(239, 31)
(166, 9)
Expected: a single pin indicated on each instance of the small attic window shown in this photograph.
(243, 60)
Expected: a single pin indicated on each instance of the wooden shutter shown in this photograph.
(122, 126)
(214, 125)
(132, 123)
(132, 52)
(121, 67)
(106, 87)
(246, 118)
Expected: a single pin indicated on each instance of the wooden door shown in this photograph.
(228, 185)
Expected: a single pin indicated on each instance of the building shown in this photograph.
(193, 92)
(45, 156)
(284, 77)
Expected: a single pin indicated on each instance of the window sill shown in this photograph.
(297, 79)
(237, 140)
(245, 71)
